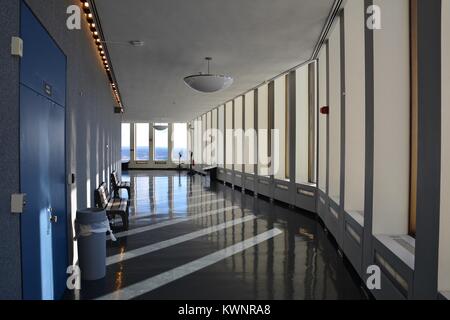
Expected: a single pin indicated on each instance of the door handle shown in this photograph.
(53, 219)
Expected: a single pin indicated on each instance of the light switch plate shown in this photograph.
(71, 179)
(17, 202)
(17, 46)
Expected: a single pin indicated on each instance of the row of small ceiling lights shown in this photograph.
(100, 45)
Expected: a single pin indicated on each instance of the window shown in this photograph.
(238, 134)
(263, 131)
(221, 136)
(161, 143)
(214, 137)
(197, 141)
(355, 99)
(250, 134)
(392, 120)
(204, 140)
(335, 89)
(323, 101)
(179, 142)
(142, 136)
(126, 142)
(306, 140)
(280, 153)
(229, 135)
(208, 138)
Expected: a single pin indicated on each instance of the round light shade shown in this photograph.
(208, 82)
(160, 127)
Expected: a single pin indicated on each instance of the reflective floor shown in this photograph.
(192, 240)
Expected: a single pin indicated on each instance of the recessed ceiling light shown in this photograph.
(137, 43)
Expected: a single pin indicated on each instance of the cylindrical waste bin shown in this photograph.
(91, 227)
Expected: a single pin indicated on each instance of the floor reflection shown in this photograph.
(300, 263)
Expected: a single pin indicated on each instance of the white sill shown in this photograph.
(358, 216)
(336, 199)
(309, 184)
(391, 242)
(446, 294)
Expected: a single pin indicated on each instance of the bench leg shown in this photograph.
(125, 220)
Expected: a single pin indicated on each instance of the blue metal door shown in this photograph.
(42, 162)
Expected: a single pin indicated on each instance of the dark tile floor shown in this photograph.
(192, 240)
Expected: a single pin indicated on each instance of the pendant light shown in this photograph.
(208, 83)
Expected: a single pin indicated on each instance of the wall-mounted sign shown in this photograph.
(47, 89)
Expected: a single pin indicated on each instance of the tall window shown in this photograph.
(238, 134)
(229, 135)
(142, 137)
(161, 145)
(250, 134)
(280, 152)
(179, 142)
(125, 142)
(221, 136)
(263, 131)
(306, 141)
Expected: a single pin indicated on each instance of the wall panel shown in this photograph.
(250, 133)
(323, 101)
(335, 113)
(444, 234)
(354, 106)
(392, 119)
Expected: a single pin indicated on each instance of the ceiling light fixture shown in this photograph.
(160, 127)
(89, 9)
(208, 83)
(137, 43)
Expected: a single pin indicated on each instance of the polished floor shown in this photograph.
(190, 239)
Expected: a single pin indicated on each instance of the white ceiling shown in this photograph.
(251, 40)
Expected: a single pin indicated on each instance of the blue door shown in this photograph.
(42, 162)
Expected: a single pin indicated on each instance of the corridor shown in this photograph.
(189, 239)
(323, 124)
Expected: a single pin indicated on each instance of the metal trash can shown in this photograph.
(91, 226)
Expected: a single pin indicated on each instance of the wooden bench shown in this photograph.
(113, 206)
(117, 185)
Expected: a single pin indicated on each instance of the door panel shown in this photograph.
(35, 173)
(43, 62)
(58, 196)
(42, 162)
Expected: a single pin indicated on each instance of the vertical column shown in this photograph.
(369, 141)
(312, 122)
(170, 143)
(271, 125)
(151, 143)
(429, 98)
(255, 125)
(132, 143)
(444, 234)
(291, 101)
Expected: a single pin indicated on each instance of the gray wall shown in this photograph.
(92, 131)
(10, 268)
